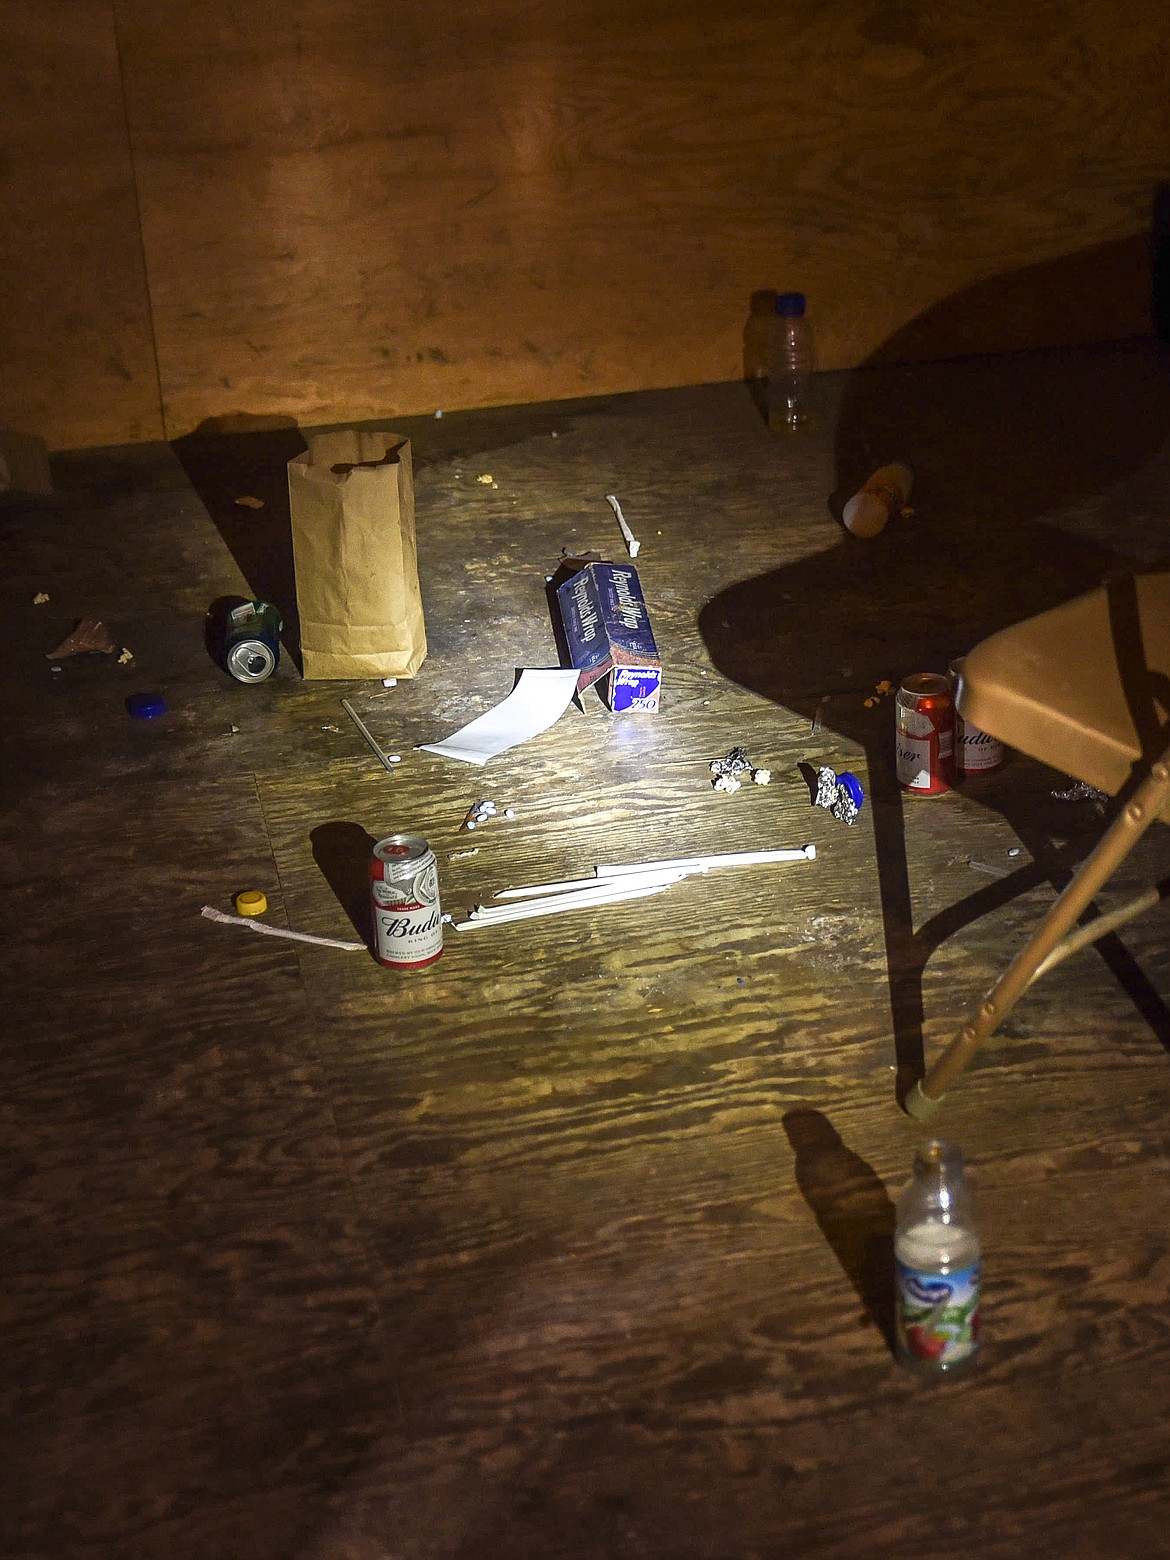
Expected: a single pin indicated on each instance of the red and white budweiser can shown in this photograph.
(404, 895)
(925, 734)
(976, 753)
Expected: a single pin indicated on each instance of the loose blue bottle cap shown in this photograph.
(791, 304)
(853, 785)
(146, 706)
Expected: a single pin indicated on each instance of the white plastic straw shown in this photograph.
(666, 875)
(555, 905)
(684, 866)
(736, 858)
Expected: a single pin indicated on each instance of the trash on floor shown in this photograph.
(614, 884)
(730, 773)
(986, 866)
(633, 545)
(251, 925)
(245, 638)
(881, 691)
(146, 706)
(608, 634)
(885, 494)
(479, 812)
(387, 760)
(249, 501)
(1081, 791)
(840, 794)
(40, 598)
(351, 505)
(90, 635)
(537, 702)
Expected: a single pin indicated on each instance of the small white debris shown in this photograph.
(509, 812)
(331, 728)
(487, 479)
(555, 434)
(389, 682)
(1015, 851)
(125, 656)
(458, 855)
(489, 808)
(439, 414)
(727, 783)
(761, 777)
(393, 758)
(447, 918)
(232, 731)
(40, 598)
(56, 668)
(470, 824)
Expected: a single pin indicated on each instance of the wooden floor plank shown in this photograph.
(577, 1242)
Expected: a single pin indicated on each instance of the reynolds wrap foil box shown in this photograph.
(608, 632)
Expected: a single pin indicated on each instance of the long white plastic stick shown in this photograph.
(737, 858)
(684, 866)
(591, 885)
(555, 905)
(602, 890)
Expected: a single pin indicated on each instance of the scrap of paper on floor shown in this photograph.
(537, 702)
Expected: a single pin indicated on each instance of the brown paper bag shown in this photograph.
(351, 497)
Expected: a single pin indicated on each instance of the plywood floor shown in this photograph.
(577, 1243)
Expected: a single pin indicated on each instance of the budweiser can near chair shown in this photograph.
(925, 734)
(976, 753)
(404, 903)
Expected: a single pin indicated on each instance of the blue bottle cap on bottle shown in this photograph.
(146, 706)
(791, 304)
(853, 785)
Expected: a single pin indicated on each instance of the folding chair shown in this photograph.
(1085, 688)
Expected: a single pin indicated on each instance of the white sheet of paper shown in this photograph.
(537, 702)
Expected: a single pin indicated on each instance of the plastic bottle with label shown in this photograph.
(937, 1259)
(791, 366)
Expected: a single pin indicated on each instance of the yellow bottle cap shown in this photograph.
(251, 902)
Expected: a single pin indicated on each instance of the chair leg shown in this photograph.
(1111, 850)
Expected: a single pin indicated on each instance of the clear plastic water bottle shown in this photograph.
(791, 365)
(936, 1251)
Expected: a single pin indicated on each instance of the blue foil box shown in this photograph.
(608, 631)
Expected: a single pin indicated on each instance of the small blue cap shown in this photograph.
(146, 706)
(791, 304)
(853, 785)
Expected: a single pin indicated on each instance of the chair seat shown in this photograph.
(1084, 687)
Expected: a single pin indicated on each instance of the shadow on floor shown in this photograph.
(852, 1209)
(1020, 440)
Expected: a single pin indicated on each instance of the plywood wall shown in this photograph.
(77, 358)
(352, 209)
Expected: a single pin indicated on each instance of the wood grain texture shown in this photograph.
(352, 211)
(76, 350)
(573, 1244)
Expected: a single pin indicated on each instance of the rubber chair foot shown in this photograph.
(920, 1105)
